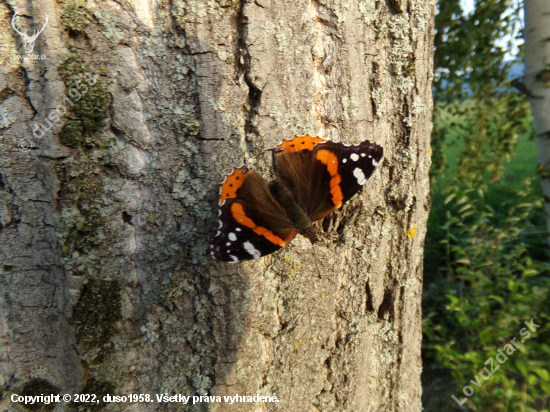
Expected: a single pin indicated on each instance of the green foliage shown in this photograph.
(486, 260)
(468, 55)
(488, 127)
(472, 84)
(489, 286)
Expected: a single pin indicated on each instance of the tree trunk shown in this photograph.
(107, 282)
(537, 79)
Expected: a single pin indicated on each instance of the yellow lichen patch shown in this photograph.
(296, 266)
(430, 152)
(287, 258)
(412, 231)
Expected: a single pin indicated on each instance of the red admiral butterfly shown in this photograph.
(314, 178)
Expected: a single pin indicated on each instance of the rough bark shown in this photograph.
(107, 283)
(537, 79)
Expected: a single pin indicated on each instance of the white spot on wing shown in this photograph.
(234, 258)
(228, 244)
(238, 229)
(363, 154)
(220, 225)
(249, 247)
(345, 161)
(375, 163)
(354, 157)
(232, 236)
(359, 175)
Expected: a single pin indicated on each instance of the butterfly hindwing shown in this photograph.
(247, 210)
(237, 242)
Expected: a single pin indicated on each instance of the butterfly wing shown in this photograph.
(247, 209)
(322, 175)
(296, 168)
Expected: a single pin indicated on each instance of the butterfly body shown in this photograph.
(314, 178)
(297, 215)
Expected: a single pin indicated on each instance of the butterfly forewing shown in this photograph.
(322, 175)
(349, 167)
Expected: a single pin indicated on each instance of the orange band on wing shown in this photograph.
(299, 143)
(331, 161)
(240, 216)
(232, 183)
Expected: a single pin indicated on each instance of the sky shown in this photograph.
(467, 5)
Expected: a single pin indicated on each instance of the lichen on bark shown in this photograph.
(89, 105)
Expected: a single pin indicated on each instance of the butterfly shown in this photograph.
(314, 178)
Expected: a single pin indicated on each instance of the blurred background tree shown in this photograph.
(536, 85)
(486, 269)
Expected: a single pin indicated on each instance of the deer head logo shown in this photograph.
(29, 40)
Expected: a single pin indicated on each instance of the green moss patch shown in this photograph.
(75, 16)
(71, 133)
(89, 103)
(85, 235)
(37, 387)
(96, 312)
